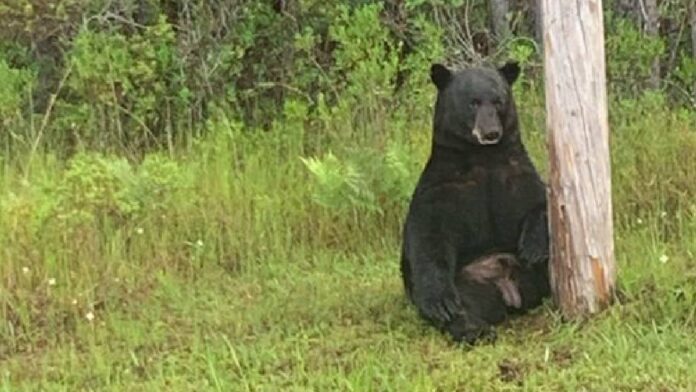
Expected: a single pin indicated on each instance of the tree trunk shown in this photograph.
(652, 25)
(499, 10)
(582, 266)
(628, 9)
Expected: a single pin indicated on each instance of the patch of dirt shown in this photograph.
(510, 371)
(537, 322)
(562, 357)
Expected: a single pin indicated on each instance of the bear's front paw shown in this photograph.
(442, 308)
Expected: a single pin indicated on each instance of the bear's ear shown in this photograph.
(510, 72)
(440, 75)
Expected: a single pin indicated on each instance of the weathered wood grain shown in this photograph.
(582, 265)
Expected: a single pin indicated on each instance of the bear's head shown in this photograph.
(475, 105)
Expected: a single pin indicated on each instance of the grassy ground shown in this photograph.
(229, 267)
(339, 321)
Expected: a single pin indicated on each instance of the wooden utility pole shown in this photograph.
(582, 267)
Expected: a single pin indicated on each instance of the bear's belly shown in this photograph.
(465, 217)
(510, 199)
(490, 214)
(474, 216)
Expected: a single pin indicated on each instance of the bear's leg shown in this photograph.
(483, 306)
(533, 252)
(533, 243)
(533, 284)
(468, 328)
(434, 294)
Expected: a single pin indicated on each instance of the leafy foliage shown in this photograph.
(339, 184)
(143, 75)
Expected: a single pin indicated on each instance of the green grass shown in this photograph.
(220, 269)
(340, 322)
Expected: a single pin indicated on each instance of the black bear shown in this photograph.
(475, 240)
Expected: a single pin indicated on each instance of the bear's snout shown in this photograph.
(487, 127)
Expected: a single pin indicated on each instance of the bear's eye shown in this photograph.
(475, 103)
(498, 103)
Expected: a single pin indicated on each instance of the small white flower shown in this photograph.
(52, 282)
(663, 214)
(199, 243)
(117, 280)
(664, 259)
(89, 316)
(26, 270)
(139, 230)
(640, 221)
(74, 301)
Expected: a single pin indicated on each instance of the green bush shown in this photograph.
(629, 57)
(121, 87)
(17, 84)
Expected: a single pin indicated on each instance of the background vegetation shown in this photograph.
(209, 195)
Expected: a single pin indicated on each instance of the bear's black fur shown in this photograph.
(478, 195)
